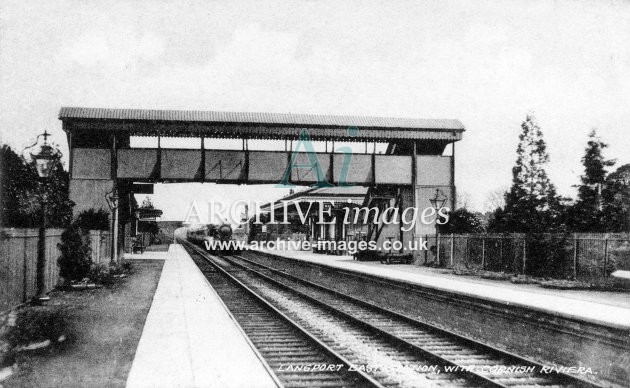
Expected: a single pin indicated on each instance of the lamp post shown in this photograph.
(438, 201)
(625, 181)
(137, 217)
(45, 160)
(112, 202)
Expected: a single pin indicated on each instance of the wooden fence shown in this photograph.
(18, 261)
(101, 246)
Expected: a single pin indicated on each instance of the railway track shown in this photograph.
(461, 362)
(491, 366)
(313, 320)
(279, 341)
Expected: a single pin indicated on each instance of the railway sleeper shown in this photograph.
(277, 362)
(324, 384)
(526, 382)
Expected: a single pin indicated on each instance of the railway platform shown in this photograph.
(189, 338)
(601, 307)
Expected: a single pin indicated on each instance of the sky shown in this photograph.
(486, 63)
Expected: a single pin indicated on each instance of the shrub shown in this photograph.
(495, 275)
(524, 279)
(462, 221)
(38, 323)
(7, 353)
(548, 255)
(106, 275)
(619, 256)
(93, 219)
(463, 271)
(125, 267)
(565, 284)
(75, 261)
(100, 274)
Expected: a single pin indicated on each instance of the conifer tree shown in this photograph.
(616, 199)
(587, 215)
(531, 204)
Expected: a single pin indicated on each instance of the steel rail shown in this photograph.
(364, 377)
(463, 372)
(426, 326)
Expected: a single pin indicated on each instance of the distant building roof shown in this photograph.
(216, 124)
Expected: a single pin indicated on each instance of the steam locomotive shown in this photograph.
(217, 237)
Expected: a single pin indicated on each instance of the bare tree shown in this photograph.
(495, 199)
(463, 200)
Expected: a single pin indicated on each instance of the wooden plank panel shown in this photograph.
(359, 170)
(309, 175)
(91, 163)
(267, 166)
(180, 164)
(393, 169)
(136, 163)
(434, 170)
(225, 165)
(19, 251)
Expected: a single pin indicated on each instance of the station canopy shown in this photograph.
(338, 196)
(148, 214)
(244, 125)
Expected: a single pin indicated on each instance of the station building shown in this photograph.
(336, 202)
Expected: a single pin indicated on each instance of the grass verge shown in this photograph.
(104, 327)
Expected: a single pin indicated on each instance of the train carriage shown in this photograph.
(217, 238)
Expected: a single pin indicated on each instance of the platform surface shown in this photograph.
(603, 307)
(147, 255)
(189, 339)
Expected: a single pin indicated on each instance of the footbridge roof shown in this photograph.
(194, 123)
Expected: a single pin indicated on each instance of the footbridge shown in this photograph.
(102, 160)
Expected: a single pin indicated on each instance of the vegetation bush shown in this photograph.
(463, 271)
(106, 274)
(495, 275)
(75, 262)
(92, 219)
(524, 279)
(549, 254)
(125, 267)
(100, 274)
(7, 354)
(565, 284)
(462, 221)
(36, 324)
(619, 256)
(23, 193)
